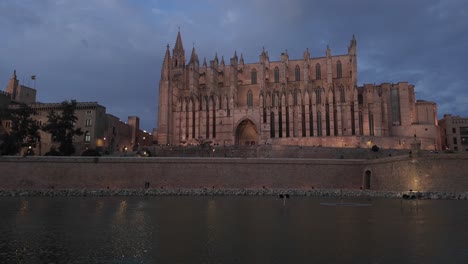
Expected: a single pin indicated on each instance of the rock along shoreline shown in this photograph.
(236, 192)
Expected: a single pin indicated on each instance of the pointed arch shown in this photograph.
(342, 94)
(297, 73)
(253, 76)
(276, 74)
(318, 72)
(87, 136)
(339, 71)
(249, 99)
(318, 96)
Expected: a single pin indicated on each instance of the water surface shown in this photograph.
(231, 230)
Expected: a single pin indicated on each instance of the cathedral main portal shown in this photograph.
(246, 133)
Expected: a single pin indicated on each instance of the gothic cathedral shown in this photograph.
(308, 101)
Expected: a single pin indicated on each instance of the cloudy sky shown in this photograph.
(111, 51)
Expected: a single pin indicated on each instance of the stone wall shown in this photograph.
(83, 172)
(435, 172)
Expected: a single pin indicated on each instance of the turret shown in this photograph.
(12, 86)
(264, 59)
(306, 55)
(234, 60)
(166, 67)
(165, 101)
(352, 52)
(285, 56)
(352, 46)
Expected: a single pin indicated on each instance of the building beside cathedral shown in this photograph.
(101, 130)
(311, 101)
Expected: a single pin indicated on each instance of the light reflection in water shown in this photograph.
(229, 230)
(24, 207)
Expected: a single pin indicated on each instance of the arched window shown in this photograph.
(338, 70)
(253, 76)
(276, 75)
(298, 73)
(318, 94)
(87, 136)
(318, 72)
(342, 95)
(249, 99)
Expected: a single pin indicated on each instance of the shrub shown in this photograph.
(90, 153)
(52, 152)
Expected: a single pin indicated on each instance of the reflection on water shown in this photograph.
(230, 230)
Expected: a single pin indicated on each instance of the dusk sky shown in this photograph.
(111, 51)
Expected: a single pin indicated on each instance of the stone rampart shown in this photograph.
(115, 173)
(437, 172)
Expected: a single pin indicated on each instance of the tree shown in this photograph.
(24, 131)
(62, 127)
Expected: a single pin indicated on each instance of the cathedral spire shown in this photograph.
(204, 63)
(222, 60)
(14, 75)
(178, 53)
(193, 56)
(241, 59)
(178, 44)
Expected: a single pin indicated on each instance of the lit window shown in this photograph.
(87, 137)
(88, 122)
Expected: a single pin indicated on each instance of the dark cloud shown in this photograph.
(111, 51)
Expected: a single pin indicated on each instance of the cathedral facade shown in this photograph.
(313, 101)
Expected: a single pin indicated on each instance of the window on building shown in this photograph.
(249, 99)
(318, 96)
(88, 122)
(253, 76)
(342, 94)
(463, 130)
(464, 140)
(297, 73)
(87, 136)
(89, 112)
(360, 99)
(454, 130)
(395, 104)
(319, 123)
(338, 70)
(276, 75)
(318, 72)
(455, 141)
